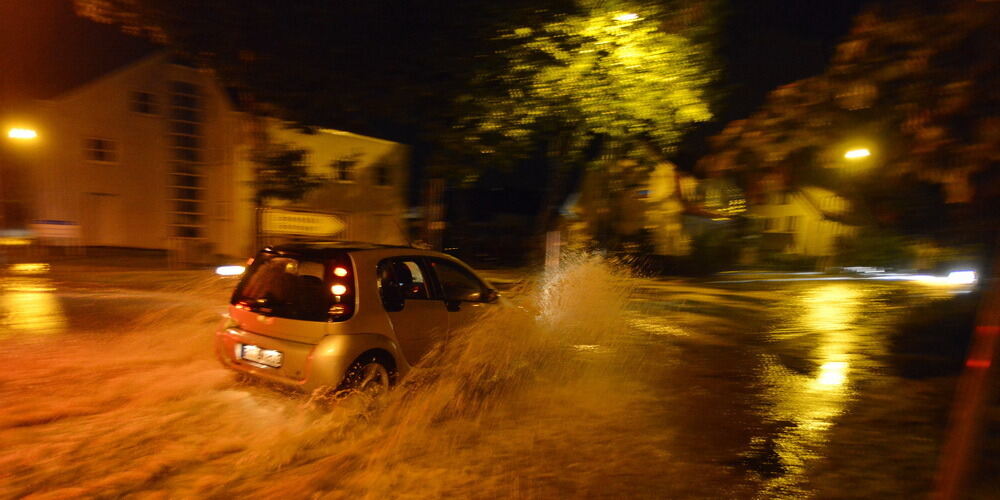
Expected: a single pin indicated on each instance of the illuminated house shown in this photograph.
(629, 205)
(155, 155)
(803, 221)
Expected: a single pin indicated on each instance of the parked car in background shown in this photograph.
(346, 315)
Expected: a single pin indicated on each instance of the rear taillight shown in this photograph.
(340, 276)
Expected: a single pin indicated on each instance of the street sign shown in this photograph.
(278, 221)
(55, 231)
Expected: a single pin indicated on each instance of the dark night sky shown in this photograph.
(766, 43)
(772, 42)
(46, 49)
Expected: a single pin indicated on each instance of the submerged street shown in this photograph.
(594, 384)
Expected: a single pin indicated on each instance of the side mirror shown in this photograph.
(392, 298)
(492, 295)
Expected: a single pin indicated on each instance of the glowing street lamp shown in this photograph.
(16, 134)
(629, 16)
(857, 154)
(22, 133)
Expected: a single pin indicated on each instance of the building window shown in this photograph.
(184, 88)
(383, 176)
(102, 150)
(185, 110)
(343, 170)
(144, 103)
(791, 223)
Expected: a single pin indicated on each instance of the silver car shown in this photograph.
(346, 316)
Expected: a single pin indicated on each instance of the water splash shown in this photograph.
(511, 407)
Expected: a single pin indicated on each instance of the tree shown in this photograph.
(281, 173)
(620, 70)
(611, 78)
(916, 84)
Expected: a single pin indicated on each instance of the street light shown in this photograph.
(857, 154)
(630, 16)
(15, 134)
(22, 133)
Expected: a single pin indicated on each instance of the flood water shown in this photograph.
(594, 384)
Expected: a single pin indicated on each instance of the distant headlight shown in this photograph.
(953, 278)
(229, 270)
(962, 277)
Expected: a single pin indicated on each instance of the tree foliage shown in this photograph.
(916, 83)
(619, 70)
(281, 173)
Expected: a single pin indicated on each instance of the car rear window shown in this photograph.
(286, 287)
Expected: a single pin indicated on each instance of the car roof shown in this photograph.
(325, 249)
(321, 250)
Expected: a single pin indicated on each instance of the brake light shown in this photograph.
(341, 283)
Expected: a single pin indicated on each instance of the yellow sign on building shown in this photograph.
(277, 221)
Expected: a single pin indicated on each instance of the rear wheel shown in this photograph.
(368, 376)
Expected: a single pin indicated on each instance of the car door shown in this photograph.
(418, 320)
(465, 295)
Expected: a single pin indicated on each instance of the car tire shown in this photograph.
(369, 376)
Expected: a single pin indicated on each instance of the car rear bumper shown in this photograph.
(304, 366)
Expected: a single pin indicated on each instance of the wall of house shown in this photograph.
(368, 179)
(174, 171)
(111, 166)
(624, 200)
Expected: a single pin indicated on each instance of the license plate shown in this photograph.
(259, 355)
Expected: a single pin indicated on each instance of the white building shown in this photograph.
(367, 184)
(154, 155)
(802, 222)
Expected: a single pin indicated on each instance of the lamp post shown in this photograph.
(18, 135)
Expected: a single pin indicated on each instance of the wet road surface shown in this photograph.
(599, 386)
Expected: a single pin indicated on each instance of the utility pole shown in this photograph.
(972, 396)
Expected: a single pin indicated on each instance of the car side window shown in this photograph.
(406, 275)
(457, 283)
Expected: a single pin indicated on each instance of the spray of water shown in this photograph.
(536, 400)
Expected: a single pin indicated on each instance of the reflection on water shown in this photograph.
(833, 373)
(804, 403)
(569, 394)
(29, 306)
